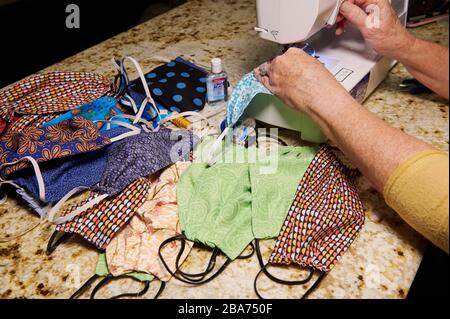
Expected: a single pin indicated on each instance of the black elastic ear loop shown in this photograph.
(211, 264)
(280, 281)
(249, 255)
(110, 278)
(83, 288)
(191, 278)
(54, 242)
(272, 277)
(314, 286)
(198, 277)
(305, 295)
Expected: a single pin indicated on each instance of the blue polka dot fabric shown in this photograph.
(177, 86)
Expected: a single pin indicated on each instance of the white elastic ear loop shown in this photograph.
(118, 67)
(79, 210)
(134, 130)
(61, 220)
(51, 213)
(122, 72)
(129, 102)
(37, 171)
(133, 117)
(144, 84)
(142, 109)
(211, 158)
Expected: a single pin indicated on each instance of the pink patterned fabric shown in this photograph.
(135, 248)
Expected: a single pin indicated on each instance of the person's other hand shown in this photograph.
(378, 23)
(301, 81)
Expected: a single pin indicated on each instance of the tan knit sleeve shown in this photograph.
(418, 192)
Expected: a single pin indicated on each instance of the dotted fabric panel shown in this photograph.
(244, 92)
(179, 86)
(142, 155)
(325, 217)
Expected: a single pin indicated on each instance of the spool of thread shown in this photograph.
(181, 122)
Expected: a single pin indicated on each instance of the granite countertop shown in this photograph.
(381, 263)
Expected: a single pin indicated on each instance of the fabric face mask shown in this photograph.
(19, 124)
(247, 88)
(3, 125)
(136, 246)
(324, 219)
(35, 204)
(146, 153)
(244, 92)
(60, 141)
(142, 155)
(52, 92)
(101, 109)
(100, 223)
(242, 95)
(178, 86)
(40, 188)
(102, 271)
(43, 144)
(229, 204)
(61, 176)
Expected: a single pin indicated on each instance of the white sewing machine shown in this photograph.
(355, 65)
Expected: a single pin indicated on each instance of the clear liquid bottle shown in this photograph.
(217, 84)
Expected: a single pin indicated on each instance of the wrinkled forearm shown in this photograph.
(411, 174)
(371, 144)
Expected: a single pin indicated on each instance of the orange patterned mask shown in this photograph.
(324, 219)
(104, 220)
(52, 92)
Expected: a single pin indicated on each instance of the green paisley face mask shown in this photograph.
(229, 204)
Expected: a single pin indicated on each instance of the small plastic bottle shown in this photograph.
(217, 84)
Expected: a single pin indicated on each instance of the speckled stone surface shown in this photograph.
(381, 263)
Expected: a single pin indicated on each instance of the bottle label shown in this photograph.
(217, 89)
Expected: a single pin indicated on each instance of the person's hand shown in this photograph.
(378, 23)
(301, 81)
